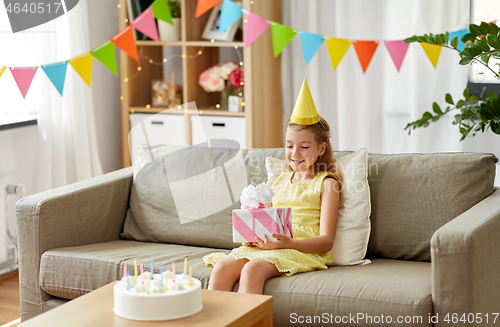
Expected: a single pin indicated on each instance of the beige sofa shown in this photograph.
(434, 242)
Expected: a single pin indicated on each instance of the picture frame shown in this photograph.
(211, 30)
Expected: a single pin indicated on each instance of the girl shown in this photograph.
(310, 186)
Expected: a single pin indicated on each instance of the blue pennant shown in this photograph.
(57, 74)
(460, 34)
(230, 13)
(310, 44)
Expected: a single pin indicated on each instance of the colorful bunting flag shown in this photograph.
(397, 50)
(230, 13)
(2, 69)
(365, 51)
(23, 77)
(310, 44)
(337, 49)
(145, 23)
(281, 35)
(460, 34)
(57, 74)
(83, 66)
(204, 5)
(432, 51)
(106, 54)
(161, 10)
(125, 40)
(254, 27)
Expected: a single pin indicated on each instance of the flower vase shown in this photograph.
(225, 93)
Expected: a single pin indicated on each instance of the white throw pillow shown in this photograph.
(353, 223)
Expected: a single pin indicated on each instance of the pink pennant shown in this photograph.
(145, 23)
(254, 27)
(23, 77)
(397, 50)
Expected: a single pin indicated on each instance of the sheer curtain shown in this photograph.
(68, 149)
(372, 109)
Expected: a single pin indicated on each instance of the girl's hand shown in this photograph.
(248, 244)
(283, 242)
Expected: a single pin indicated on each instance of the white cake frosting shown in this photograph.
(179, 299)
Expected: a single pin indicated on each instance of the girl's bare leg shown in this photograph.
(254, 274)
(225, 274)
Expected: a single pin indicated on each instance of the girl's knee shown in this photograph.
(227, 268)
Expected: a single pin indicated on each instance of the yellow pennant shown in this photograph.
(432, 51)
(83, 66)
(2, 69)
(337, 49)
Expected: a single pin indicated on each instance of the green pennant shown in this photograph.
(106, 54)
(282, 35)
(161, 10)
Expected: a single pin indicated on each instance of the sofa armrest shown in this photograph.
(466, 263)
(90, 211)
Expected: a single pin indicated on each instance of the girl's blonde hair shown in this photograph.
(327, 162)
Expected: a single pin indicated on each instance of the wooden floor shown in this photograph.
(9, 297)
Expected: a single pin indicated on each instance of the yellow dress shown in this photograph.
(304, 199)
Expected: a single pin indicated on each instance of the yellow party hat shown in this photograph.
(305, 112)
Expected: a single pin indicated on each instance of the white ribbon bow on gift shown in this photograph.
(256, 196)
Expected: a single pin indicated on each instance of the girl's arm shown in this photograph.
(327, 227)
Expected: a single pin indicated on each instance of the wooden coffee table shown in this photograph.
(219, 309)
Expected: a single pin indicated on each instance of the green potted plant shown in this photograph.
(169, 32)
(473, 113)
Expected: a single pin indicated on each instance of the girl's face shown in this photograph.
(302, 150)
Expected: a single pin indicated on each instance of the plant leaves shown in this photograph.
(466, 93)
(449, 99)
(436, 109)
(454, 42)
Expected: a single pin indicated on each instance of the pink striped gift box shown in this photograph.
(251, 223)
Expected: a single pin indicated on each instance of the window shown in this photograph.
(485, 11)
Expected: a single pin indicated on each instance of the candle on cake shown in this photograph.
(135, 269)
(142, 274)
(173, 272)
(185, 265)
(190, 275)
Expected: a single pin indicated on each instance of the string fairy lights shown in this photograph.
(165, 60)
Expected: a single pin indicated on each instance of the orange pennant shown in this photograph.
(365, 51)
(126, 42)
(204, 5)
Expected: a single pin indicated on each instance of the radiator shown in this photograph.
(8, 242)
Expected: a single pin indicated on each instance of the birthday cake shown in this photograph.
(157, 298)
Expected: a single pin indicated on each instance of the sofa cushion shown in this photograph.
(389, 287)
(353, 225)
(74, 271)
(415, 194)
(186, 194)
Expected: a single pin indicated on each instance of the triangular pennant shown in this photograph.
(23, 77)
(145, 23)
(57, 74)
(230, 13)
(397, 50)
(460, 34)
(2, 69)
(126, 42)
(204, 5)
(282, 35)
(310, 44)
(254, 27)
(106, 54)
(365, 51)
(432, 51)
(337, 49)
(83, 66)
(161, 10)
